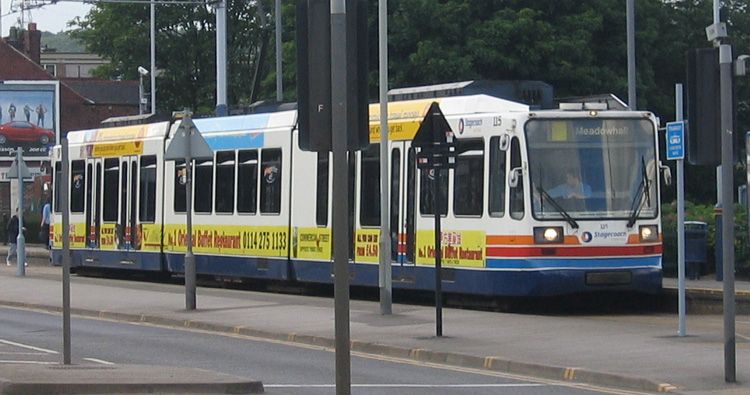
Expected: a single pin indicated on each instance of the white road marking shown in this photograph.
(29, 362)
(404, 385)
(101, 361)
(10, 343)
(20, 353)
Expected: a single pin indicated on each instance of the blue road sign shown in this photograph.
(675, 140)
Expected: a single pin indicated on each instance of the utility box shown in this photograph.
(696, 246)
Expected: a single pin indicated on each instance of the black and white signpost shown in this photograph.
(437, 153)
(188, 144)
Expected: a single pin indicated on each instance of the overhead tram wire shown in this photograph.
(157, 2)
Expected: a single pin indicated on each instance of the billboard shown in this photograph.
(29, 117)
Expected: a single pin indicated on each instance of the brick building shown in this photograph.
(83, 104)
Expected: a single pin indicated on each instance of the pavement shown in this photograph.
(622, 350)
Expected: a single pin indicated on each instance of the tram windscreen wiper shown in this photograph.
(557, 207)
(644, 188)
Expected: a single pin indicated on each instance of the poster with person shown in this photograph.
(29, 119)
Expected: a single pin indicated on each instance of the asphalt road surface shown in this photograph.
(36, 338)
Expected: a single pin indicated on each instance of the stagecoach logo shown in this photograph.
(587, 237)
(468, 124)
(77, 181)
(182, 176)
(270, 173)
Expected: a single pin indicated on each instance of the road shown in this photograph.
(35, 337)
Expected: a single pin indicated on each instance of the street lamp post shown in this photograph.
(142, 72)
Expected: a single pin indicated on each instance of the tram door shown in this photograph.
(402, 180)
(127, 229)
(93, 202)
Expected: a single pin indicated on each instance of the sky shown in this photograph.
(52, 17)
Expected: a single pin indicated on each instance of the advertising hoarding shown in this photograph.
(29, 117)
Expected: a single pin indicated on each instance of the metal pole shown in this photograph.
(65, 186)
(340, 192)
(680, 222)
(727, 240)
(140, 93)
(221, 58)
(385, 279)
(21, 239)
(153, 58)
(438, 255)
(279, 56)
(190, 270)
(630, 16)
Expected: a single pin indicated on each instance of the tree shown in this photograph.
(185, 45)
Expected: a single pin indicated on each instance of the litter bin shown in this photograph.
(696, 240)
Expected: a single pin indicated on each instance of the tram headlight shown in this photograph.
(648, 233)
(548, 235)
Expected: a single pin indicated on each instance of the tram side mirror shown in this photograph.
(504, 142)
(514, 176)
(666, 172)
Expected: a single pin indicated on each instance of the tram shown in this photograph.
(540, 203)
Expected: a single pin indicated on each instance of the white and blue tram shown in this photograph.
(541, 202)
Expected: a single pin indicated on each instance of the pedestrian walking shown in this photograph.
(44, 226)
(13, 239)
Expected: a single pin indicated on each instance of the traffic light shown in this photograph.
(314, 74)
(703, 107)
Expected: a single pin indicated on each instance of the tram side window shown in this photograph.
(77, 186)
(426, 178)
(497, 179)
(225, 182)
(147, 192)
(395, 195)
(321, 197)
(270, 183)
(111, 185)
(203, 187)
(369, 187)
(468, 185)
(516, 194)
(180, 189)
(247, 182)
(58, 177)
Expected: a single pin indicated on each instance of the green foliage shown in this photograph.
(579, 47)
(61, 42)
(185, 49)
(705, 213)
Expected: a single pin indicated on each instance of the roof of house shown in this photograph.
(105, 91)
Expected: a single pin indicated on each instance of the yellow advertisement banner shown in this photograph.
(462, 248)
(366, 245)
(122, 133)
(314, 243)
(404, 119)
(229, 239)
(108, 237)
(77, 236)
(150, 237)
(103, 150)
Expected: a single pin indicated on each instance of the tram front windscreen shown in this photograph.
(592, 168)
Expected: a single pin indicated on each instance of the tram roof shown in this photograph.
(405, 117)
(118, 133)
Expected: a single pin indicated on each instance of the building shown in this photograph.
(70, 64)
(81, 103)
